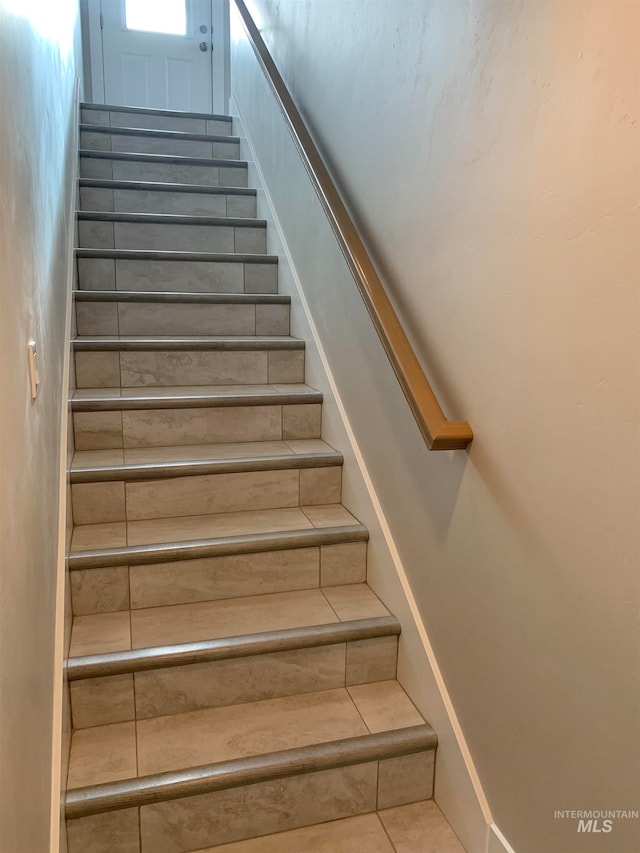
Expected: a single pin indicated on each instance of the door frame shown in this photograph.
(220, 60)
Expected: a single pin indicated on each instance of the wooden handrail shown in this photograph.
(438, 432)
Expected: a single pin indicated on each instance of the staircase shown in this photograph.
(232, 676)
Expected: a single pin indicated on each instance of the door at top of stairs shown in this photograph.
(166, 55)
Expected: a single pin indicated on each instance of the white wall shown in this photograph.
(489, 152)
(39, 43)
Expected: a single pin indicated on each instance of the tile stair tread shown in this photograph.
(158, 745)
(272, 390)
(195, 622)
(88, 459)
(96, 664)
(161, 342)
(157, 133)
(160, 186)
(194, 452)
(171, 219)
(194, 460)
(119, 534)
(170, 296)
(403, 829)
(181, 159)
(115, 108)
(222, 619)
(201, 779)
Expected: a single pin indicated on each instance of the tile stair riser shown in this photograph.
(224, 276)
(100, 502)
(249, 811)
(116, 588)
(149, 121)
(192, 687)
(121, 169)
(173, 236)
(165, 368)
(103, 430)
(151, 201)
(130, 318)
(120, 142)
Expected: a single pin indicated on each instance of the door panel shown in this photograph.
(156, 69)
(136, 71)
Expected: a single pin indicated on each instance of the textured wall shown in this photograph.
(38, 42)
(490, 152)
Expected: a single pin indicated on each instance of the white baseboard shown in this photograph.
(496, 842)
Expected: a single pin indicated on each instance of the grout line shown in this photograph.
(133, 686)
(329, 603)
(308, 519)
(118, 317)
(355, 705)
(384, 828)
(135, 729)
(122, 437)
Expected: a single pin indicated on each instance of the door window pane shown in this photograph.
(157, 16)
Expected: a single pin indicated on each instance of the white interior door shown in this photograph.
(158, 53)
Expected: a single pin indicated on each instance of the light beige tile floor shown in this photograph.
(195, 390)
(87, 537)
(355, 601)
(329, 515)
(188, 453)
(417, 828)
(362, 834)
(237, 450)
(384, 705)
(207, 620)
(221, 734)
(420, 828)
(187, 528)
(186, 623)
(309, 445)
(100, 633)
(102, 754)
(160, 744)
(84, 458)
